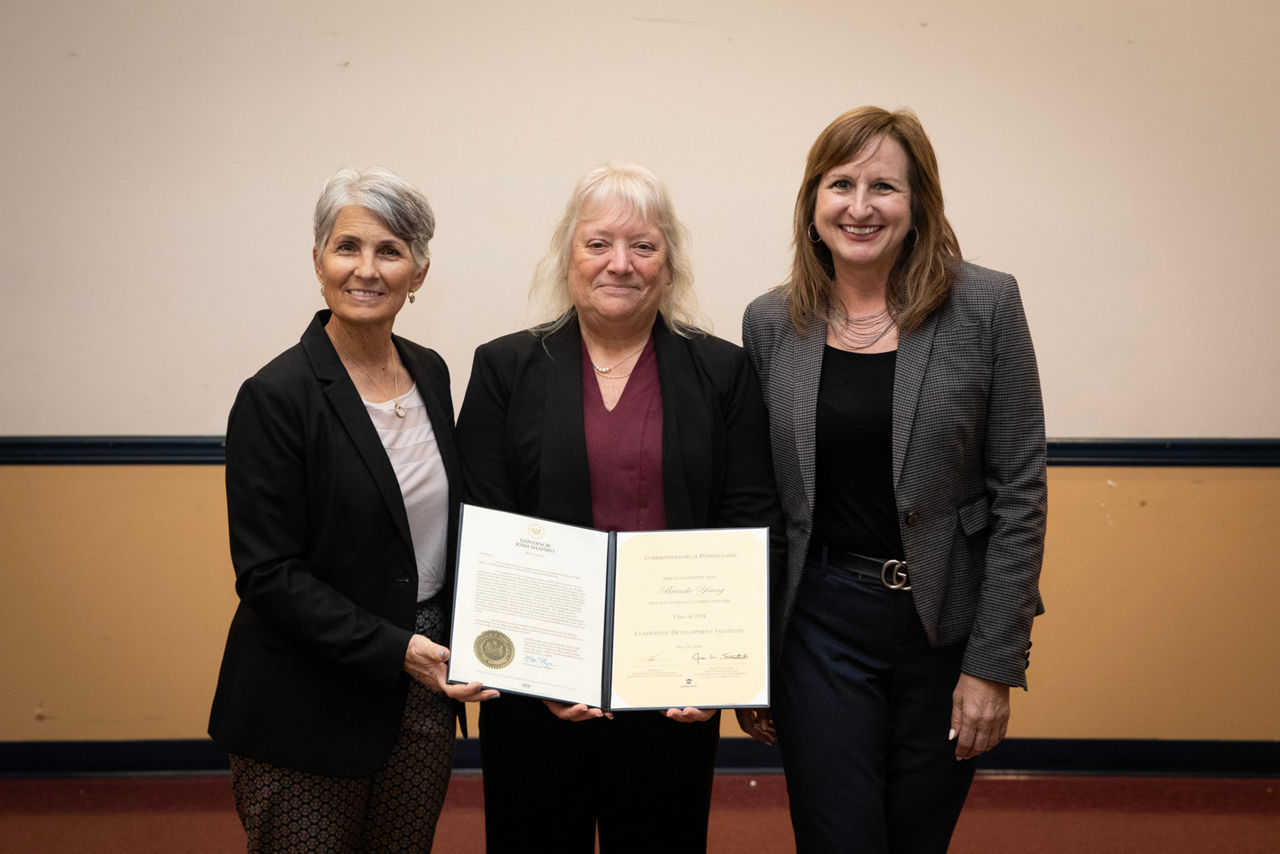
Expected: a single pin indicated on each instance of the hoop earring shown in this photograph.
(914, 235)
(812, 232)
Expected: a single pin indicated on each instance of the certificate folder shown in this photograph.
(627, 620)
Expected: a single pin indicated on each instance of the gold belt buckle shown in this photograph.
(894, 575)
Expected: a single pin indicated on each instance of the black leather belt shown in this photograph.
(890, 573)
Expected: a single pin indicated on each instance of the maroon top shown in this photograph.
(624, 448)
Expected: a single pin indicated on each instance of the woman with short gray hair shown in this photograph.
(342, 492)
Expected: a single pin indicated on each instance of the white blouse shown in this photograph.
(411, 446)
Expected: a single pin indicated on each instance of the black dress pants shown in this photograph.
(863, 711)
(643, 779)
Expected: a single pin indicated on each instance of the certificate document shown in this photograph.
(636, 620)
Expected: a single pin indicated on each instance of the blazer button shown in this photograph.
(913, 517)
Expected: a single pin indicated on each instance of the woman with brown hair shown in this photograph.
(909, 453)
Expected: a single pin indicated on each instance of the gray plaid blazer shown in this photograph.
(968, 463)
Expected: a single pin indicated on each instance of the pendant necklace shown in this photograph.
(395, 385)
(377, 387)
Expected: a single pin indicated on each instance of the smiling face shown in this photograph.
(618, 271)
(366, 271)
(863, 210)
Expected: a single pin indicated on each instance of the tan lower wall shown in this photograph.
(1160, 584)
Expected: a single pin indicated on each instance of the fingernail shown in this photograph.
(951, 736)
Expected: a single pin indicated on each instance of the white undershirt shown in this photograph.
(411, 446)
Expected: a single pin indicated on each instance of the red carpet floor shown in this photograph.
(1022, 815)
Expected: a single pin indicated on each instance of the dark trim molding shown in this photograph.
(112, 450)
(1164, 452)
(92, 758)
(1121, 757)
(209, 450)
(1098, 757)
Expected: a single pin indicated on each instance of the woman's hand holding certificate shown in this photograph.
(668, 620)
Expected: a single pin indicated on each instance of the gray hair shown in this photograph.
(640, 194)
(401, 206)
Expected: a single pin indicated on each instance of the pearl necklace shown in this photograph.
(602, 371)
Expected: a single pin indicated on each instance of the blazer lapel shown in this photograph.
(564, 487)
(914, 348)
(349, 408)
(686, 458)
(804, 353)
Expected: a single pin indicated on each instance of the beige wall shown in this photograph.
(161, 160)
(1159, 583)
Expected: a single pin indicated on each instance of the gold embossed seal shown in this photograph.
(494, 649)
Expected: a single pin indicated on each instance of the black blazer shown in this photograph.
(312, 675)
(968, 462)
(523, 442)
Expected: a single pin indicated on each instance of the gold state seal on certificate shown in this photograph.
(494, 649)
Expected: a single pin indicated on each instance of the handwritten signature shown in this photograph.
(720, 656)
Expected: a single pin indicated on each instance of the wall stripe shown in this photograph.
(1173, 453)
(1107, 757)
(209, 450)
(112, 450)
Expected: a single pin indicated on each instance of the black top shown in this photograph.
(855, 509)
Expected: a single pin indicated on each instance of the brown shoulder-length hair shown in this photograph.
(921, 279)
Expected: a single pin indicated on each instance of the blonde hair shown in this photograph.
(639, 192)
(921, 279)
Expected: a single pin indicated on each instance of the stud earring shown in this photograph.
(411, 297)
